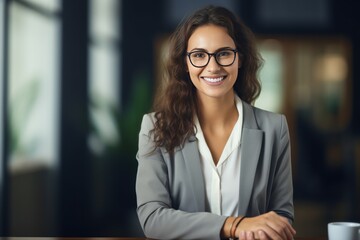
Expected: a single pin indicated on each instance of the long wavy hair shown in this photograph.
(175, 103)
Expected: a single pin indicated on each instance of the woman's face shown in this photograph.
(212, 80)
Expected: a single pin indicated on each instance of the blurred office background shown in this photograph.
(77, 76)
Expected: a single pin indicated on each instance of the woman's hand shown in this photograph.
(268, 226)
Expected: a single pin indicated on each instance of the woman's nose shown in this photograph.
(213, 66)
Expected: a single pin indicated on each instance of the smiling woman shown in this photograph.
(210, 165)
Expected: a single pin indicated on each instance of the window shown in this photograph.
(32, 112)
(271, 76)
(33, 80)
(105, 69)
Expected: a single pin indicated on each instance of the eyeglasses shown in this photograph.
(199, 58)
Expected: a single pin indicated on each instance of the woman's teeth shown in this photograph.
(214, 80)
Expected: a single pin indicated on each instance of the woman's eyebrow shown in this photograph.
(198, 49)
(205, 50)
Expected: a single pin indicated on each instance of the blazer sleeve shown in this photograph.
(157, 217)
(282, 190)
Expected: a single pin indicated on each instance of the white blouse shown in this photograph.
(222, 180)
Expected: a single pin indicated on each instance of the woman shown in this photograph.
(210, 165)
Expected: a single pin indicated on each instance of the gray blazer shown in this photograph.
(170, 189)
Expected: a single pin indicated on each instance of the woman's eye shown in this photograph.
(224, 53)
(199, 55)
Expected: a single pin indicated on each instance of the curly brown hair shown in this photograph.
(175, 104)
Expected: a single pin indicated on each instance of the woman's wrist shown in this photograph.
(233, 234)
(230, 227)
(228, 224)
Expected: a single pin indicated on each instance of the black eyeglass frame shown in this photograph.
(212, 54)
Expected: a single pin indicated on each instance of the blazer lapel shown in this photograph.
(251, 144)
(192, 161)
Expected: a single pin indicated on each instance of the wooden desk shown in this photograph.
(116, 238)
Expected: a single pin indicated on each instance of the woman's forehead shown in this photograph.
(210, 37)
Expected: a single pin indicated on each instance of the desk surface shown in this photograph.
(115, 238)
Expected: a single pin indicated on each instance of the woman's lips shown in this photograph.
(214, 80)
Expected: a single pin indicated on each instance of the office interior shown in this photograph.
(77, 76)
